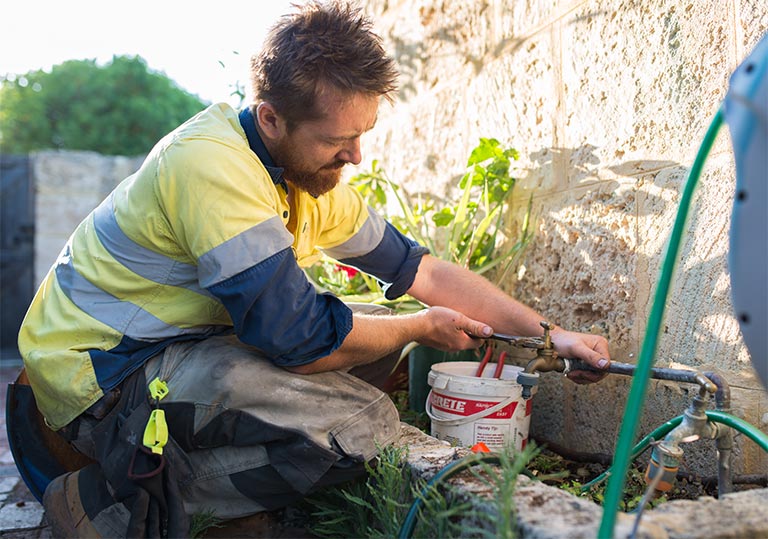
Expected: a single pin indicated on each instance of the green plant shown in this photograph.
(201, 522)
(371, 508)
(468, 230)
(502, 479)
(556, 473)
(389, 501)
(420, 420)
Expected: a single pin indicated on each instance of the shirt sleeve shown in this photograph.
(275, 308)
(394, 261)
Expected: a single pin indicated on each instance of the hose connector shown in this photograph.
(528, 380)
(665, 460)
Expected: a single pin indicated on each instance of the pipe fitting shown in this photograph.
(666, 455)
(528, 381)
(665, 460)
(546, 360)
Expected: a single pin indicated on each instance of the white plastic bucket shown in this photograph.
(466, 409)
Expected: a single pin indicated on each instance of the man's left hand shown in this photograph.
(593, 349)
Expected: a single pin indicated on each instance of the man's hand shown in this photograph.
(591, 348)
(451, 331)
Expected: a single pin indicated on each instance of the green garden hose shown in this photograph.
(751, 432)
(637, 391)
(409, 524)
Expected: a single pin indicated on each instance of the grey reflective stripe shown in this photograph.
(122, 316)
(148, 264)
(244, 251)
(362, 243)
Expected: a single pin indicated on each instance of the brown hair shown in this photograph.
(321, 43)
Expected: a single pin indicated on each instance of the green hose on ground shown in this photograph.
(637, 391)
(754, 434)
(750, 431)
(409, 524)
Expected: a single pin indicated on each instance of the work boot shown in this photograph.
(79, 504)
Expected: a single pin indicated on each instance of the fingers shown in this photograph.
(594, 350)
(478, 330)
(456, 331)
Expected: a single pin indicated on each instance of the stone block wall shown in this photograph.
(607, 102)
(68, 185)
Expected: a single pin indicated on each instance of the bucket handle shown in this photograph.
(461, 421)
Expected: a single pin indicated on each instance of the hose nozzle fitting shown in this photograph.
(528, 380)
(665, 460)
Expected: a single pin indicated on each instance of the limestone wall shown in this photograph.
(607, 102)
(68, 185)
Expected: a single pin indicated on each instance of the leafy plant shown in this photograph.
(201, 522)
(468, 230)
(502, 479)
(556, 473)
(371, 508)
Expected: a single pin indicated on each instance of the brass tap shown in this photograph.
(546, 359)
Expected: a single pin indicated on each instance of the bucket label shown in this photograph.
(465, 407)
(492, 435)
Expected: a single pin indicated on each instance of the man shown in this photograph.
(179, 304)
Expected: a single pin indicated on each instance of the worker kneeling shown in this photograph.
(177, 341)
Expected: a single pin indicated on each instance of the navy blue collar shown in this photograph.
(257, 146)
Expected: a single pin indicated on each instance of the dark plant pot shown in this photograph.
(420, 361)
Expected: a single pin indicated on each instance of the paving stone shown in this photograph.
(21, 515)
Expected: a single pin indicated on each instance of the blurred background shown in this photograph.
(203, 47)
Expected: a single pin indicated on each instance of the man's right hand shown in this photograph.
(451, 331)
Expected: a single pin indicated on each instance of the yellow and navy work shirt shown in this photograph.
(196, 243)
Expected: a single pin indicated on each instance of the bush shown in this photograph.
(122, 108)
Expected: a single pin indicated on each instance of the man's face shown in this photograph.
(314, 153)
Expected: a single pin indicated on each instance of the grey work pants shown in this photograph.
(257, 436)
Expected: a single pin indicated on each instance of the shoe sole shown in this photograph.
(64, 510)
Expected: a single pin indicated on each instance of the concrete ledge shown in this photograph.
(545, 512)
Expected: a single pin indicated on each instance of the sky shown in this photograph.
(204, 45)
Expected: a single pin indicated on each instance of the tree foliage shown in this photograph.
(121, 108)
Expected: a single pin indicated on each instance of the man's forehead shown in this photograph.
(346, 116)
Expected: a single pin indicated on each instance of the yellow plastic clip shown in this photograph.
(156, 433)
(158, 389)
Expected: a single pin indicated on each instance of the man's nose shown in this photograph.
(351, 152)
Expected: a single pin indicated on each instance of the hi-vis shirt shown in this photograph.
(196, 243)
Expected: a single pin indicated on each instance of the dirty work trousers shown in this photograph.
(258, 437)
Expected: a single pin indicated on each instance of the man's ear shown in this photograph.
(269, 121)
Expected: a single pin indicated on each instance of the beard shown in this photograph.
(315, 181)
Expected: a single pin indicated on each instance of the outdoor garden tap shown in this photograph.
(666, 455)
(546, 360)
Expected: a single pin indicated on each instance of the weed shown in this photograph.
(420, 420)
(373, 507)
(502, 478)
(377, 506)
(201, 522)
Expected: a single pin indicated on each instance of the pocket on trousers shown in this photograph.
(376, 425)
